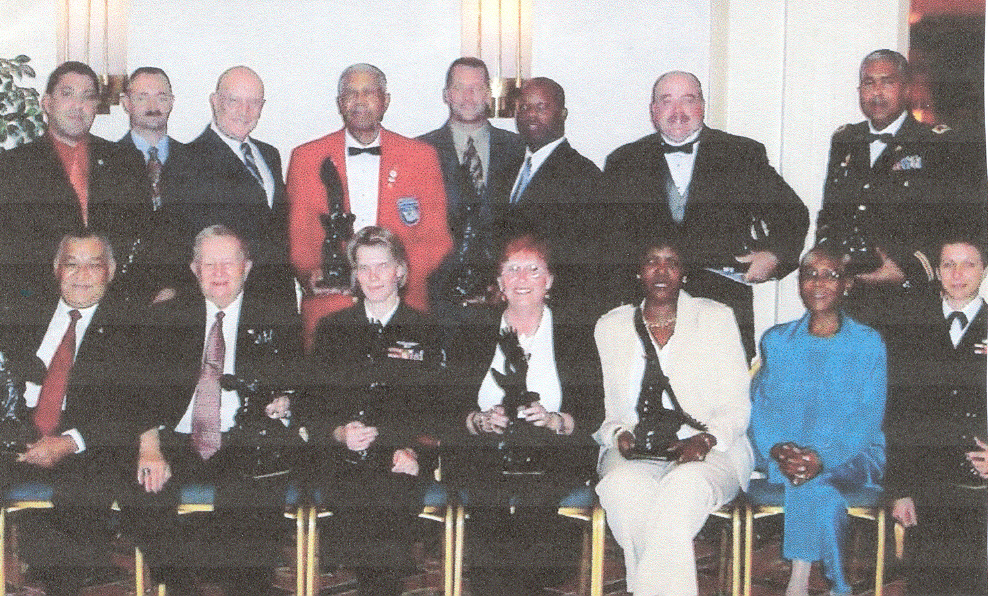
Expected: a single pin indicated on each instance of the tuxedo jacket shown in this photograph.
(936, 402)
(706, 368)
(411, 203)
(732, 180)
(101, 395)
(207, 183)
(38, 206)
(507, 151)
(921, 186)
(267, 349)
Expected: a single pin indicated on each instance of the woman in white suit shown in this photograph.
(673, 442)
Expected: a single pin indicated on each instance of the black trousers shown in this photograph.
(946, 550)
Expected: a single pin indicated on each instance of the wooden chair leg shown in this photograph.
(300, 544)
(736, 551)
(598, 535)
(880, 555)
(311, 565)
(3, 549)
(459, 548)
(748, 546)
(138, 571)
(586, 561)
(449, 550)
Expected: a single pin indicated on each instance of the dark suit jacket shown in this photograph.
(174, 148)
(731, 179)
(38, 206)
(561, 202)
(100, 397)
(936, 402)
(507, 151)
(268, 346)
(208, 184)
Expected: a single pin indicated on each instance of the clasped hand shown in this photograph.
(693, 448)
(798, 464)
(48, 451)
(279, 408)
(357, 436)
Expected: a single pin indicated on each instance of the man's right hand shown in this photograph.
(356, 435)
(625, 443)
(904, 511)
(888, 273)
(153, 470)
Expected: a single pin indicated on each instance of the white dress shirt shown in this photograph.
(57, 327)
(363, 173)
(876, 146)
(262, 167)
(229, 400)
(681, 164)
(542, 376)
(538, 158)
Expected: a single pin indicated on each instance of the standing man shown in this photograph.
(191, 341)
(226, 177)
(74, 352)
(556, 194)
(64, 181)
(475, 156)
(899, 183)
(148, 101)
(938, 450)
(384, 179)
(734, 212)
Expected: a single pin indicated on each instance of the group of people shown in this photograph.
(494, 299)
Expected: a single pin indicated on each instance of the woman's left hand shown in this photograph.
(405, 462)
(979, 458)
(803, 467)
(694, 448)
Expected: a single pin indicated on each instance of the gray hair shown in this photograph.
(897, 60)
(217, 231)
(378, 74)
(83, 235)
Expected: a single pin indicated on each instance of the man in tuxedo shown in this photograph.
(72, 354)
(556, 192)
(226, 177)
(64, 181)
(148, 101)
(734, 212)
(938, 457)
(380, 177)
(900, 183)
(192, 341)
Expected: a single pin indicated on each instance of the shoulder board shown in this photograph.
(940, 129)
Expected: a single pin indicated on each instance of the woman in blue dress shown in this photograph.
(816, 420)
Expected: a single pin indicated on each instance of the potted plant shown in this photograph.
(21, 118)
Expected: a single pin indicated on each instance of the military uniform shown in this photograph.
(915, 191)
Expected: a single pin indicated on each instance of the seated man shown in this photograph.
(71, 351)
(189, 423)
(938, 457)
(816, 420)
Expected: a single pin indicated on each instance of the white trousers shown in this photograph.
(655, 509)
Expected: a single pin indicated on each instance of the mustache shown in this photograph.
(878, 102)
(681, 118)
(153, 113)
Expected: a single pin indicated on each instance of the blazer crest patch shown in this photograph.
(409, 210)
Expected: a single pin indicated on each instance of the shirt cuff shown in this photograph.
(77, 437)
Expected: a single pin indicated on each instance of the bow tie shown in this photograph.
(359, 150)
(686, 148)
(956, 315)
(885, 137)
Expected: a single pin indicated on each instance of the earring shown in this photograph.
(638, 276)
(685, 279)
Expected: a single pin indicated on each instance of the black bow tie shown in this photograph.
(359, 150)
(885, 137)
(956, 315)
(685, 148)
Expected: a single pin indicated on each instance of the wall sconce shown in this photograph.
(499, 32)
(95, 32)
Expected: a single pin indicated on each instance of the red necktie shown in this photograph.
(49, 409)
(206, 407)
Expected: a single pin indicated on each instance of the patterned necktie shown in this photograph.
(526, 173)
(154, 175)
(49, 409)
(471, 159)
(250, 163)
(206, 407)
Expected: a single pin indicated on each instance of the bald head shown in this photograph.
(677, 105)
(237, 102)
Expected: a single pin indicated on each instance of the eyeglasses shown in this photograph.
(533, 271)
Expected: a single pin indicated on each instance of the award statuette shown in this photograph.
(472, 272)
(15, 431)
(848, 235)
(260, 446)
(519, 444)
(338, 225)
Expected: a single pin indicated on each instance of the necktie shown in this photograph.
(471, 159)
(206, 409)
(526, 173)
(687, 148)
(49, 409)
(959, 316)
(368, 150)
(250, 163)
(884, 137)
(154, 175)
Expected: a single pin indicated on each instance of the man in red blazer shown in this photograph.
(387, 180)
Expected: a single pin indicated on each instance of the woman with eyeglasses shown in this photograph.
(816, 420)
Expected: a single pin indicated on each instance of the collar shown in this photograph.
(142, 145)
(87, 313)
(350, 141)
(70, 150)
(970, 310)
(386, 318)
(539, 157)
(231, 312)
(690, 139)
(893, 127)
(233, 143)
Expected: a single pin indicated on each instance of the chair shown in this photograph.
(764, 501)
(195, 498)
(24, 495)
